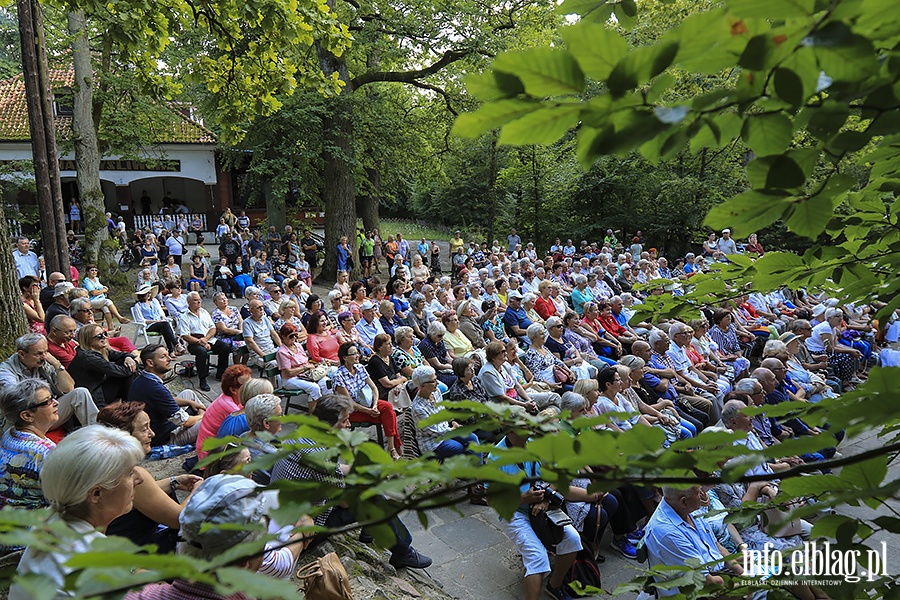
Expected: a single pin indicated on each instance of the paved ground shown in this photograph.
(474, 559)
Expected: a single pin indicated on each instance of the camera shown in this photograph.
(550, 495)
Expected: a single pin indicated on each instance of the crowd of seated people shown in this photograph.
(545, 334)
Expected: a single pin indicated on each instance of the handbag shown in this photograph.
(561, 375)
(318, 372)
(549, 526)
(325, 579)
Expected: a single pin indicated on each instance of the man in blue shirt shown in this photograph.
(515, 319)
(403, 248)
(673, 536)
(519, 529)
(512, 240)
(169, 419)
(26, 260)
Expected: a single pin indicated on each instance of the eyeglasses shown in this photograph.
(46, 402)
(430, 382)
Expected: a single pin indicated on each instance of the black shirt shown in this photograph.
(377, 369)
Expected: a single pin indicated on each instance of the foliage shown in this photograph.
(10, 56)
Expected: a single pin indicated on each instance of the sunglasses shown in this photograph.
(101, 336)
(40, 404)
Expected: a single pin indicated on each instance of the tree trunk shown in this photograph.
(338, 183)
(371, 202)
(12, 315)
(87, 150)
(276, 210)
(491, 191)
(43, 136)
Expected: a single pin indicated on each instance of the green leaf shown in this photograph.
(492, 115)
(768, 133)
(543, 71)
(789, 86)
(494, 85)
(810, 216)
(850, 141)
(747, 212)
(843, 55)
(866, 475)
(717, 132)
(813, 485)
(785, 173)
(772, 9)
(826, 120)
(640, 66)
(598, 11)
(596, 47)
(543, 126)
(709, 41)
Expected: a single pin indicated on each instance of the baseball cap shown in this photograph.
(367, 306)
(515, 294)
(61, 288)
(231, 500)
(269, 280)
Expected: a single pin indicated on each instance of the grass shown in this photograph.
(411, 231)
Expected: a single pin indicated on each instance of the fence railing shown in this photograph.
(146, 221)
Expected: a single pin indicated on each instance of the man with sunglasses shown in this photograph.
(33, 360)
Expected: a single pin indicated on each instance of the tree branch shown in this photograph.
(433, 88)
(449, 57)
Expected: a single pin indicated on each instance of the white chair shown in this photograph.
(140, 326)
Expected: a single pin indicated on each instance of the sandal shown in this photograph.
(396, 455)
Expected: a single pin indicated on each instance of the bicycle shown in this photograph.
(128, 259)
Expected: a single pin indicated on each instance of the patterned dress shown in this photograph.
(232, 322)
(22, 456)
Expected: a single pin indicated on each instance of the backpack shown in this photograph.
(584, 570)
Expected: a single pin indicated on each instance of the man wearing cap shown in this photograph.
(725, 244)
(47, 293)
(198, 332)
(32, 360)
(515, 318)
(368, 326)
(224, 511)
(60, 304)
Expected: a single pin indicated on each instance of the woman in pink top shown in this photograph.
(233, 378)
(321, 344)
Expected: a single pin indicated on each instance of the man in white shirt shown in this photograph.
(26, 260)
(725, 244)
(258, 332)
(198, 332)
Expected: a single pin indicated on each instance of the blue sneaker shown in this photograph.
(625, 547)
(635, 536)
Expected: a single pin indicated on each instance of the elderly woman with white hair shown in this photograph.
(545, 365)
(528, 305)
(30, 408)
(435, 353)
(424, 405)
(580, 294)
(844, 360)
(262, 412)
(88, 481)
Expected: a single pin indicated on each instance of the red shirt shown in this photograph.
(609, 323)
(545, 308)
(65, 353)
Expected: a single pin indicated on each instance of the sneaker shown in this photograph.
(560, 593)
(635, 536)
(410, 560)
(625, 547)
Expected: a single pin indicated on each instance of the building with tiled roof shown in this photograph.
(181, 163)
